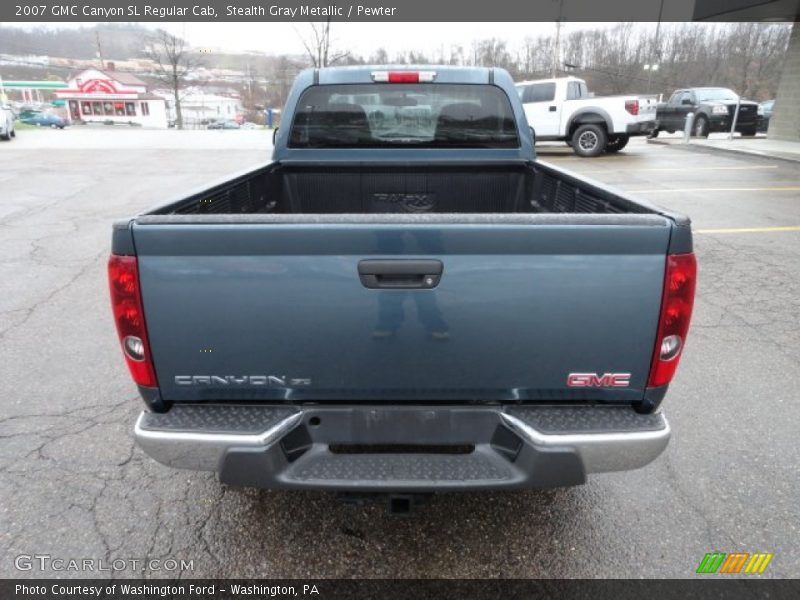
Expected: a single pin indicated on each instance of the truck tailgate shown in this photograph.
(647, 108)
(257, 310)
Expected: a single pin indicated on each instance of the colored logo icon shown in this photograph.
(737, 562)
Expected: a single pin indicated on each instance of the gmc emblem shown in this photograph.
(595, 380)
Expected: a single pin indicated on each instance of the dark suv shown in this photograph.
(713, 110)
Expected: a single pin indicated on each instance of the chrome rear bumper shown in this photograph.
(402, 447)
(601, 452)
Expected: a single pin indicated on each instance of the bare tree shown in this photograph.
(280, 74)
(379, 57)
(173, 64)
(747, 57)
(319, 45)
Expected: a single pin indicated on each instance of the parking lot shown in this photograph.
(73, 485)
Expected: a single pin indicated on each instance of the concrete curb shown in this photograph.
(740, 152)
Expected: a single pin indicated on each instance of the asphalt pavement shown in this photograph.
(73, 485)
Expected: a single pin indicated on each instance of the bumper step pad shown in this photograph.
(586, 419)
(216, 418)
(393, 467)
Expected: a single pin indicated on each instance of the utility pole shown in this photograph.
(556, 49)
(557, 45)
(99, 48)
(655, 51)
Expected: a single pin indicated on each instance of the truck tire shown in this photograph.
(589, 140)
(617, 143)
(700, 127)
(748, 132)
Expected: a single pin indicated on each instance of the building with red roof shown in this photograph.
(111, 96)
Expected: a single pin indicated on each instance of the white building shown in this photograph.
(198, 108)
(115, 96)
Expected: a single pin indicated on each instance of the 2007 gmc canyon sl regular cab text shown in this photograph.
(404, 301)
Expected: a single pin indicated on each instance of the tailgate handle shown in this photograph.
(396, 273)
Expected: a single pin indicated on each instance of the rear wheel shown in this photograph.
(617, 143)
(589, 140)
(701, 127)
(748, 132)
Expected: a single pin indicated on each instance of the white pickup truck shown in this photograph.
(562, 109)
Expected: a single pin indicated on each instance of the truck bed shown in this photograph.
(358, 188)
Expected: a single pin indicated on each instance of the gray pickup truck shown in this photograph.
(403, 301)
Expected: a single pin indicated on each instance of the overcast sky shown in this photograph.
(360, 38)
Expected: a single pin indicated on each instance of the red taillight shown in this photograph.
(126, 303)
(404, 77)
(676, 311)
(632, 106)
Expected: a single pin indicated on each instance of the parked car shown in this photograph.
(29, 109)
(765, 110)
(402, 311)
(45, 120)
(6, 123)
(563, 109)
(225, 124)
(713, 110)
